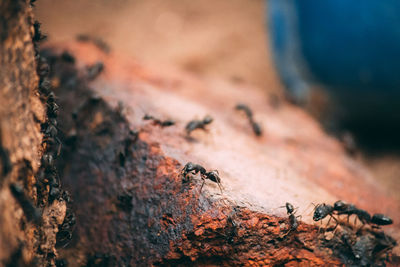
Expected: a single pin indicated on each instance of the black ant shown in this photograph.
(342, 207)
(50, 131)
(94, 70)
(249, 114)
(192, 168)
(213, 176)
(45, 86)
(64, 234)
(291, 211)
(246, 110)
(47, 161)
(196, 168)
(159, 122)
(197, 124)
(323, 210)
(38, 36)
(43, 68)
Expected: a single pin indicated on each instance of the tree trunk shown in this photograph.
(29, 219)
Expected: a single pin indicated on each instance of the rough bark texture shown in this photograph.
(135, 208)
(29, 221)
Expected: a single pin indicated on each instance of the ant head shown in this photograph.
(289, 208)
(147, 117)
(207, 119)
(188, 167)
(214, 176)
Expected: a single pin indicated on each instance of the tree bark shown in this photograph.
(29, 220)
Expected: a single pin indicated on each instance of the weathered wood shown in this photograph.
(134, 208)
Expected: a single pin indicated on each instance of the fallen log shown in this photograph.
(133, 205)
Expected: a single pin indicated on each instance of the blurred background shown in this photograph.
(337, 58)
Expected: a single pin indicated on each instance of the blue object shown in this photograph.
(349, 47)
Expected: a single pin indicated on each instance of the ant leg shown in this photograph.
(334, 228)
(59, 146)
(288, 232)
(220, 188)
(202, 185)
(319, 230)
(362, 226)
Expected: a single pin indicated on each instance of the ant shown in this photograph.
(45, 86)
(43, 68)
(197, 124)
(156, 121)
(342, 207)
(323, 210)
(291, 211)
(192, 167)
(213, 176)
(50, 131)
(255, 126)
(38, 36)
(196, 168)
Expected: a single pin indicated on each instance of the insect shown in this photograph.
(380, 219)
(249, 114)
(192, 168)
(213, 176)
(45, 86)
(43, 68)
(197, 124)
(30, 211)
(196, 168)
(50, 131)
(94, 70)
(323, 210)
(37, 36)
(47, 161)
(291, 211)
(342, 207)
(159, 122)
(52, 109)
(64, 234)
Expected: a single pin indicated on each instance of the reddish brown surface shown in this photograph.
(170, 222)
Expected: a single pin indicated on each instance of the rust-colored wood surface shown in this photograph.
(124, 172)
